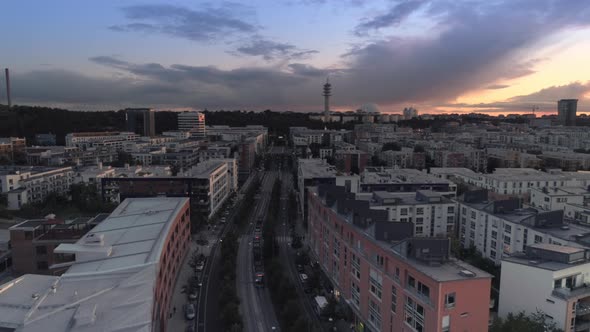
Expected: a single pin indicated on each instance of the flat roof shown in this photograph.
(99, 292)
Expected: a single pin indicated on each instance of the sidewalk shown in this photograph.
(178, 322)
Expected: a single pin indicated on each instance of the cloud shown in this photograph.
(393, 17)
(203, 25)
(475, 45)
(270, 50)
(497, 86)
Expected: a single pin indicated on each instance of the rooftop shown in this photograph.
(110, 287)
(205, 168)
(316, 168)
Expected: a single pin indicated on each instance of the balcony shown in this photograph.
(568, 293)
(582, 325)
(583, 308)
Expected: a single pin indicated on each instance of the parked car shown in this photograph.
(189, 311)
(193, 295)
(200, 266)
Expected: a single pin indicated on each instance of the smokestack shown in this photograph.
(7, 86)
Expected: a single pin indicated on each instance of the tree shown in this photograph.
(521, 322)
(391, 146)
(419, 148)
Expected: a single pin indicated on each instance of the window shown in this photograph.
(538, 239)
(472, 225)
(419, 230)
(375, 283)
(374, 314)
(42, 266)
(507, 240)
(393, 299)
(41, 250)
(419, 210)
(419, 220)
(423, 290)
(450, 300)
(356, 297)
(494, 235)
(492, 254)
(397, 273)
(450, 219)
(507, 229)
(411, 282)
(473, 215)
(356, 266)
(403, 211)
(414, 315)
(451, 209)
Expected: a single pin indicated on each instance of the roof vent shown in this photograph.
(95, 239)
(467, 273)
(35, 296)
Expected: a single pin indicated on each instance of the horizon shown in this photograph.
(504, 57)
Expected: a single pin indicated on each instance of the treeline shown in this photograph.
(229, 302)
(282, 290)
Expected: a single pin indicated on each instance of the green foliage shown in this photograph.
(521, 322)
(85, 197)
(391, 146)
(229, 301)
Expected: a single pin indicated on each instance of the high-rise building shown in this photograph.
(410, 113)
(566, 111)
(140, 121)
(193, 122)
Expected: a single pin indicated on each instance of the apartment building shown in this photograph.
(10, 146)
(550, 278)
(431, 213)
(393, 281)
(404, 180)
(211, 185)
(87, 140)
(33, 242)
(550, 199)
(28, 184)
(503, 227)
(122, 278)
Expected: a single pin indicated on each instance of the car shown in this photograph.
(200, 266)
(303, 277)
(189, 311)
(299, 268)
(193, 295)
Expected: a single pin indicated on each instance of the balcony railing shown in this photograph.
(568, 293)
(583, 309)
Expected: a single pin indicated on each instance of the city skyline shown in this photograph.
(438, 56)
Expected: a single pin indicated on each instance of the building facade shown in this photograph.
(392, 281)
(193, 122)
(140, 121)
(566, 112)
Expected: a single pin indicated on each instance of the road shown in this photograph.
(208, 304)
(255, 303)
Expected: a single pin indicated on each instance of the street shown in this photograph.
(256, 306)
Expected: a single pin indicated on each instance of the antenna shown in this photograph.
(535, 108)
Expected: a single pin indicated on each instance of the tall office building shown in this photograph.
(410, 113)
(140, 121)
(566, 111)
(193, 122)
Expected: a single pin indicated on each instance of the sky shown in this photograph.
(459, 56)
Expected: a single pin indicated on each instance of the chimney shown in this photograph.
(7, 87)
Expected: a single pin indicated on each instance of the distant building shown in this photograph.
(410, 113)
(33, 242)
(193, 122)
(11, 146)
(141, 121)
(566, 111)
(121, 278)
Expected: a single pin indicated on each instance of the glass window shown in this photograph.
(450, 300)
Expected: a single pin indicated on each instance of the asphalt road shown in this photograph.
(255, 303)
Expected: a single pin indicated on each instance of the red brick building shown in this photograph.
(393, 282)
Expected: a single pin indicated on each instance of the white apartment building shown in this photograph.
(213, 185)
(193, 122)
(557, 198)
(88, 140)
(500, 228)
(550, 278)
(93, 174)
(33, 184)
(431, 212)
